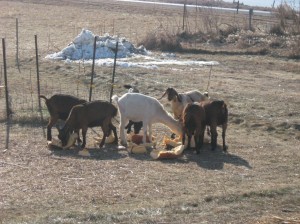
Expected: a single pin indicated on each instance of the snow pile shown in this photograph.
(82, 47)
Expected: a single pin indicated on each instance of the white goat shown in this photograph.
(179, 101)
(139, 107)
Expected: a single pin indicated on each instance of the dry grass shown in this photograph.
(257, 181)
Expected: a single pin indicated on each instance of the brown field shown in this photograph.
(257, 181)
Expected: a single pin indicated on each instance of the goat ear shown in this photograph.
(179, 97)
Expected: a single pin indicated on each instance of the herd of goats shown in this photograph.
(192, 113)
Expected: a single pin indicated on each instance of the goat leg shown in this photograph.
(51, 123)
(49, 136)
(78, 138)
(106, 130)
(122, 131)
(197, 143)
(183, 137)
(189, 141)
(150, 133)
(208, 131)
(128, 127)
(224, 127)
(200, 137)
(214, 136)
(102, 141)
(114, 129)
(84, 131)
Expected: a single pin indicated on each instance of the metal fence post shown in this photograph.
(8, 110)
(37, 71)
(114, 70)
(93, 69)
(250, 18)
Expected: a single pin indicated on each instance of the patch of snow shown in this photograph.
(82, 47)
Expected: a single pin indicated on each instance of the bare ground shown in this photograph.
(257, 181)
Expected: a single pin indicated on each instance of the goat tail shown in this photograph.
(42, 96)
(188, 118)
(115, 112)
(115, 98)
(225, 112)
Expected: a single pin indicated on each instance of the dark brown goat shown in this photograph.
(194, 124)
(90, 114)
(137, 126)
(59, 107)
(216, 114)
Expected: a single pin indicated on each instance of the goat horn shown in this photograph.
(163, 95)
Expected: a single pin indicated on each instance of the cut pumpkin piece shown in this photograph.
(164, 154)
(84, 152)
(138, 139)
(71, 140)
(136, 149)
(171, 142)
(55, 143)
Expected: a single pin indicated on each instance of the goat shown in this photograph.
(59, 107)
(179, 101)
(193, 120)
(137, 126)
(139, 107)
(216, 114)
(131, 89)
(90, 114)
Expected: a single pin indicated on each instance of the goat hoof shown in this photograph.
(225, 148)
(124, 144)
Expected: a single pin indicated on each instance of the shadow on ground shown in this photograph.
(108, 152)
(215, 160)
(207, 159)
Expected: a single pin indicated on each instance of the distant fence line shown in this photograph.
(21, 101)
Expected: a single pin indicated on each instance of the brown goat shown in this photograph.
(90, 114)
(59, 107)
(216, 114)
(194, 124)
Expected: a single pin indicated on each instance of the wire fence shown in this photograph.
(74, 79)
